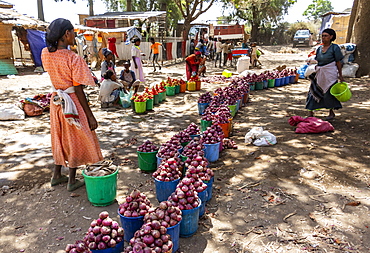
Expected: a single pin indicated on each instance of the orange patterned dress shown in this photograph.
(71, 147)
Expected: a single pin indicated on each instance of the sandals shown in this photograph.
(76, 185)
(56, 181)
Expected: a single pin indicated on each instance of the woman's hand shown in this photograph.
(93, 124)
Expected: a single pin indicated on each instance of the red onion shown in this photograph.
(137, 204)
(147, 146)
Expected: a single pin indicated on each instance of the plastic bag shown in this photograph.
(11, 112)
(259, 137)
(125, 98)
(311, 69)
(350, 69)
(301, 71)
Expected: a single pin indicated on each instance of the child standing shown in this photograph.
(154, 48)
(107, 63)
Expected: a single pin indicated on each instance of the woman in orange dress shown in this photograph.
(73, 138)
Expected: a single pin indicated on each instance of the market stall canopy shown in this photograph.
(10, 16)
(130, 31)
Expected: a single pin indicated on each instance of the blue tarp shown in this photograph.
(36, 39)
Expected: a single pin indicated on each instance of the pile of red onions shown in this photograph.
(205, 98)
(207, 115)
(170, 148)
(78, 247)
(202, 172)
(152, 237)
(167, 214)
(192, 129)
(192, 183)
(147, 146)
(228, 143)
(196, 161)
(193, 149)
(169, 170)
(184, 198)
(183, 137)
(136, 204)
(103, 233)
(221, 117)
(212, 135)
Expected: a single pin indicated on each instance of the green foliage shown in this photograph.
(318, 8)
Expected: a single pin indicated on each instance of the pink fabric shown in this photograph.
(310, 125)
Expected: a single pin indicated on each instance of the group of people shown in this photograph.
(72, 123)
(129, 78)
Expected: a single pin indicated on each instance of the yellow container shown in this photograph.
(341, 92)
(191, 86)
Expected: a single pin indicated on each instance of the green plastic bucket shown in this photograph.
(164, 95)
(184, 143)
(147, 160)
(101, 191)
(341, 92)
(232, 109)
(156, 99)
(160, 97)
(271, 83)
(204, 124)
(259, 86)
(149, 104)
(252, 86)
(170, 91)
(177, 89)
(140, 107)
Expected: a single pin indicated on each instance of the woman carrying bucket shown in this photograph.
(328, 70)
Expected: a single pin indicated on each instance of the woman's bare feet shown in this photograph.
(331, 115)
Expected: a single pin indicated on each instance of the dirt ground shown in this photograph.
(307, 193)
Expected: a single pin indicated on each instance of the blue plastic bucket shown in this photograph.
(212, 151)
(203, 197)
(174, 232)
(265, 84)
(252, 86)
(159, 160)
(209, 188)
(117, 249)
(291, 79)
(238, 104)
(130, 225)
(286, 80)
(194, 135)
(277, 82)
(164, 189)
(202, 107)
(189, 222)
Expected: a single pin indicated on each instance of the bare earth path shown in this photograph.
(262, 202)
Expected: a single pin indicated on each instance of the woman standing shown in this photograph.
(136, 64)
(328, 70)
(72, 123)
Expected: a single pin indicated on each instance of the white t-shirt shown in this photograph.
(106, 88)
(218, 47)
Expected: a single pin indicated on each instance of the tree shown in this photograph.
(40, 10)
(361, 35)
(317, 9)
(90, 4)
(190, 10)
(257, 12)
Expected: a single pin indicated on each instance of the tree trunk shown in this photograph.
(361, 37)
(185, 30)
(91, 7)
(352, 21)
(255, 24)
(40, 10)
(129, 5)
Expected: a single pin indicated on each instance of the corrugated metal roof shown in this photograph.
(129, 15)
(10, 16)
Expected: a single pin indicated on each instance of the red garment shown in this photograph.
(192, 65)
(112, 46)
(310, 125)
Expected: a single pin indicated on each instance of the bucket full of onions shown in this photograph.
(132, 211)
(166, 177)
(104, 236)
(203, 102)
(169, 149)
(170, 217)
(193, 130)
(189, 203)
(192, 182)
(146, 154)
(151, 237)
(204, 173)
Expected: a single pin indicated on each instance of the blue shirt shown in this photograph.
(332, 54)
